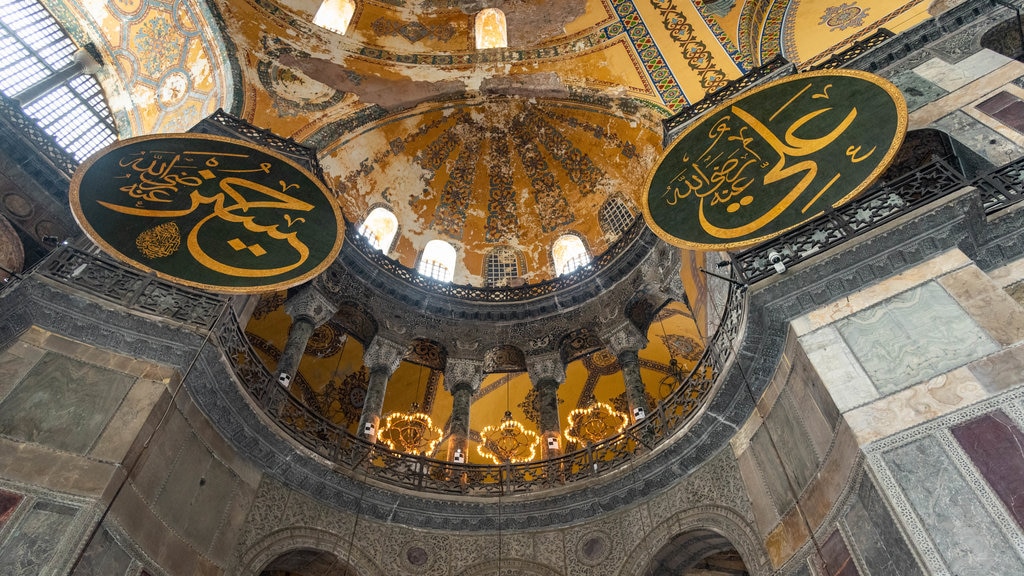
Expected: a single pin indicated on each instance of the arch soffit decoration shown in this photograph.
(719, 519)
(157, 45)
(294, 538)
(521, 567)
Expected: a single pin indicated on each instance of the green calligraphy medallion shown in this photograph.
(208, 212)
(775, 158)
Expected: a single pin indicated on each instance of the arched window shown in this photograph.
(43, 69)
(491, 29)
(335, 15)
(438, 261)
(501, 266)
(380, 228)
(615, 217)
(569, 254)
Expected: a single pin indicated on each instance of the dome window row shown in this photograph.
(490, 27)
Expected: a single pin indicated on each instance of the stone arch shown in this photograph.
(509, 566)
(724, 522)
(1005, 37)
(281, 542)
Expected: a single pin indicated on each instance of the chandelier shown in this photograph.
(594, 423)
(508, 442)
(411, 432)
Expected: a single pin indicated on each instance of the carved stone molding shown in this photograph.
(462, 371)
(384, 354)
(545, 368)
(310, 304)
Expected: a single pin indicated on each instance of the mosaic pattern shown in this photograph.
(552, 206)
(752, 16)
(412, 31)
(578, 166)
(744, 59)
(771, 35)
(173, 71)
(502, 209)
(788, 34)
(694, 50)
(844, 16)
(664, 81)
(450, 216)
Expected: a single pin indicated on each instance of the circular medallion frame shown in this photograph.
(251, 220)
(823, 135)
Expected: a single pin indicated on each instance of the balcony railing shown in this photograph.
(884, 203)
(377, 462)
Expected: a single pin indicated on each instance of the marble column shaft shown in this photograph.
(462, 397)
(298, 336)
(636, 396)
(550, 427)
(373, 404)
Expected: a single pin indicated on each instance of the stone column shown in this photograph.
(462, 378)
(625, 343)
(83, 63)
(381, 357)
(547, 372)
(308, 309)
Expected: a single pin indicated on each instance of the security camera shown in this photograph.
(284, 379)
(776, 260)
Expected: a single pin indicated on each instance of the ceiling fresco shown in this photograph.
(167, 66)
(507, 171)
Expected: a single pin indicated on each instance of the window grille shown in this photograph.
(500, 266)
(33, 47)
(615, 217)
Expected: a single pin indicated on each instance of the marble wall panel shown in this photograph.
(103, 557)
(786, 423)
(874, 534)
(15, 362)
(952, 77)
(912, 337)
(837, 557)
(838, 368)
(8, 503)
(951, 514)
(63, 403)
(995, 444)
(31, 548)
(772, 472)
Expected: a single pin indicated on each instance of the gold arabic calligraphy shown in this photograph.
(155, 177)
(725, 171)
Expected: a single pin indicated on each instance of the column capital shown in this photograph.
(384, 354)
(545, 367)
(625, 337)
(310, 304)
(460, 372)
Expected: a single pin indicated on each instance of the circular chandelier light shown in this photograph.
(508, 442)
(595, 423)
(412, 432)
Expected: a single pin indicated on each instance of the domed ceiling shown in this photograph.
(508, 146)
(500, 171)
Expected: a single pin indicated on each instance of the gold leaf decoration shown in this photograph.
(159, 242)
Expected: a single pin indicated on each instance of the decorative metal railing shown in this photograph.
(999, 189)
(52, 160)
(512, 294)
(129, 288)
(1002, 187)
(377, 462)
(856, 50)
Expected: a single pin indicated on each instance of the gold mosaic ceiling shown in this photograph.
(616, 67)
